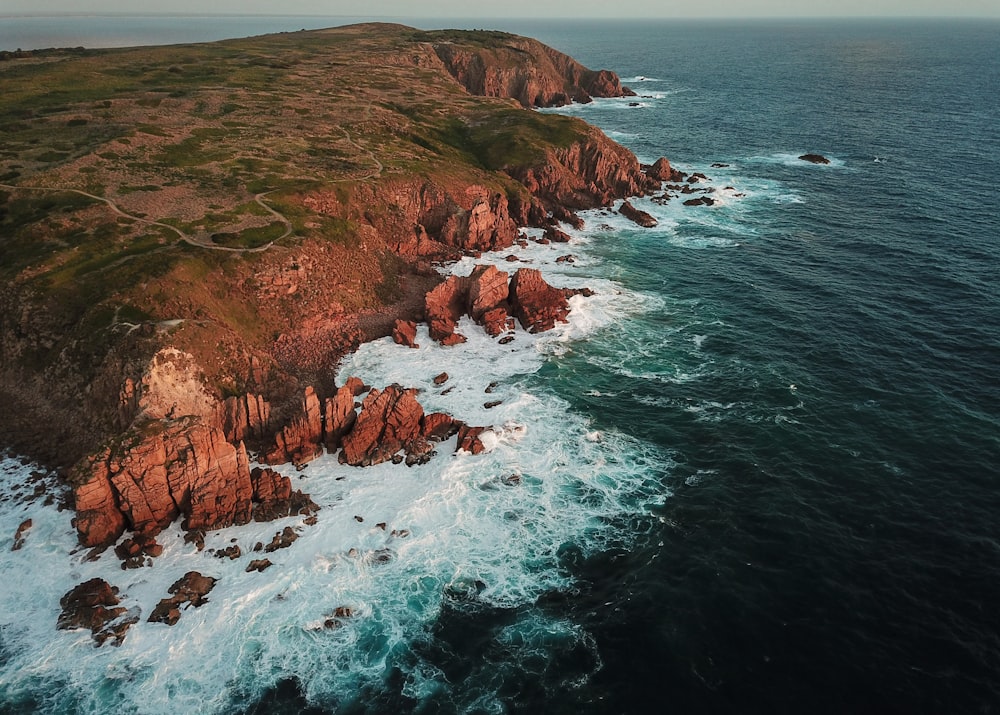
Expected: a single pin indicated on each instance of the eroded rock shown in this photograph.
(94, 605)
(190, 589)
(637, 216)
(537, 305)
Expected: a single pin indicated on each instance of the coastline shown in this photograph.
(179, 452)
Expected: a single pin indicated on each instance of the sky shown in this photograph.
(526, 8)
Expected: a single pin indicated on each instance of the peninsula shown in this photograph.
(191, 237)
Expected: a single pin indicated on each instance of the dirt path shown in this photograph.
(199, 241)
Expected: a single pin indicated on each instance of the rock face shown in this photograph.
(487, 226)
(526, 70)
(182, 470)
(339, 414)
(636, 215)
(244, 417)
(147, 481)
(487, 290)
(273, 497)
(815, 158)
(300, 441)
(537, 305)
(586, 174)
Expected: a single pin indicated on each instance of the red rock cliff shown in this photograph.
(526, 70)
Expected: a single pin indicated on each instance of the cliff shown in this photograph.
(497, 64)
(193, 238)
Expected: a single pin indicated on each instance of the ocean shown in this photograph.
(757, 471)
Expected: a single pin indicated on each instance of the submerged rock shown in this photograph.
(94, 605)
(191, 589)
(815, 158)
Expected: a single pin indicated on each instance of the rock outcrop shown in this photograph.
(190, 589)
(662, 171)
(637, 216)
(148, 480)
(302, 440)
(815, 158)
(587, 174)
(389, 422)
(180, 470)
(487, 226)
(537, 305)
(94, 605)
(339, 412)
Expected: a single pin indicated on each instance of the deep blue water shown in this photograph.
(840, 550)
(822, 374)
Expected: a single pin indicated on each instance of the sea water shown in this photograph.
(755, 472)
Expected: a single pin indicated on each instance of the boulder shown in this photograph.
(21, 534)
(636, 215)
(405, 333)
(437, 426)
(94, 605)
(536, 304)
(555, 235)
(191, 589)
(259, 565)
(469, 440)
(441, 378)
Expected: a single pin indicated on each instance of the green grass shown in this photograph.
(250, 237)
(202, 147)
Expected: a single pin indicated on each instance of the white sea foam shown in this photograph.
(786, 159)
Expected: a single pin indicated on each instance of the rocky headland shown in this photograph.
(194, 237)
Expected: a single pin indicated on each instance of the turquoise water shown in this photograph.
(758, 470)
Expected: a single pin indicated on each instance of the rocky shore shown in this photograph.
(213, 362)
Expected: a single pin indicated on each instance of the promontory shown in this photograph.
(192, 236)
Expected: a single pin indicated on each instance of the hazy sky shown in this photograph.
(526, 8)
